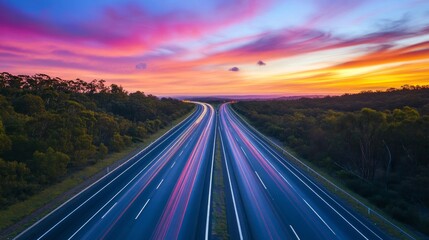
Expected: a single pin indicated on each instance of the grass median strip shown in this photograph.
(219, 226)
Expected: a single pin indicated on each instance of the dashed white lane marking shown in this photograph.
(293, 230)
(142, 208)
(319, 217)
(261, 180)
(159, 184)
(109, 210)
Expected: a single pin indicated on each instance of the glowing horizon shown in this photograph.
(185, 48)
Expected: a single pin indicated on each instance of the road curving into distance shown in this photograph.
(165, 192)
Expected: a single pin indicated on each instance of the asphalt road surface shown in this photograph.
(165, 192)
(268, 198)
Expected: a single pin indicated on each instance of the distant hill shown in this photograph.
(299, 97)
(246, 97)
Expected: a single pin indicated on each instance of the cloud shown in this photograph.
(141, 66)
(285, 43)
(389, 25)
(194, 45)
(413, 52)
(131, 25)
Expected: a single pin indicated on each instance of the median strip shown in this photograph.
(219, 219)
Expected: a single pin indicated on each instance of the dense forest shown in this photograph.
(51, 127)
(377, 143)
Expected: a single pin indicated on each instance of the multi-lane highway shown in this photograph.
(163, 192)
(268, 198)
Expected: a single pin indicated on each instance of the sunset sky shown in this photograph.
(191, 47)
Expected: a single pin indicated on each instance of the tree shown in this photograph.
(361, 131)
(102, 151)
(106, 127)
(83, 150)
(13, 183)
(5, 142)
(50, 166)
(117, 143)
(29, 104)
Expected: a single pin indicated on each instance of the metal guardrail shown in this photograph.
(288, 154)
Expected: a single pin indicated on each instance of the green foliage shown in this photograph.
(102, 151)
(49, 166)
(51, 127)
(117, 143)
(378, 146)
(29, 104)
(5, 142)
(13, 182)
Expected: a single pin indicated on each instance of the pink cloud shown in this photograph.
(128, 25)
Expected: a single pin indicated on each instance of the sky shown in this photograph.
(221, 47)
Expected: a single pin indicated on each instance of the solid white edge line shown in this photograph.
(232, 190)
(211, 180)
(159, 184)
(109, 210)
(142, 209)
(293, 230)
(261, 180)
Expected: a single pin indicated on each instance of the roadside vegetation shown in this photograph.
(51, 128)
(376, 143)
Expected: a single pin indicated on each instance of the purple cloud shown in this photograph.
(141, 66)
(261, 63)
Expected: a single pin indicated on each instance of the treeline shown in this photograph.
(377, 143)
(50, 127)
